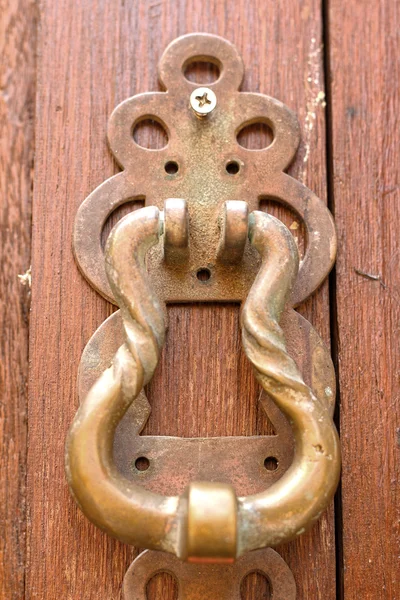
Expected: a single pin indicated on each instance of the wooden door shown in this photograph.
(65, 65)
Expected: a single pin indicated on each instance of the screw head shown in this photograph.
(203, 101)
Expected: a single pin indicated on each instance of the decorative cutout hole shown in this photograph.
(162, 586)
(271, 463)
(289, 218)
(149, 133)
(256, 136)
(203, 275)
(201, 71)
(171, 167)
(117, 215)
(142, 463)
(255, 585)
(233, 167)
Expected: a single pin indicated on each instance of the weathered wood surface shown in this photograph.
(17, 91)
(365, 101)
(91, 56)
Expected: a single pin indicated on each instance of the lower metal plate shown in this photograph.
(210, 582)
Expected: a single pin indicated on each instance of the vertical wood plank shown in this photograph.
(365, 75)
(92, 56)
(17, 91)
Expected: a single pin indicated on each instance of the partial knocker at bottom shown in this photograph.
(208, 523)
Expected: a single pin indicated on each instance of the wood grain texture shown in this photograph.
(92, 55)
(17, 86)
(365, 72)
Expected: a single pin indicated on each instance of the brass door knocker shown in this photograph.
(206, 213)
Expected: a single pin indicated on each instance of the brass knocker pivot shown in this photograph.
(153, 256)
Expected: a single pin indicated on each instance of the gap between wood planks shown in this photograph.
(333, 320)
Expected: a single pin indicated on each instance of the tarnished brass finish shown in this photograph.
(234, 229)
(210, 531)
(142, 518)
(203, 149)
(175, 462)
(210, 582)
(176, 231)
(187, 503)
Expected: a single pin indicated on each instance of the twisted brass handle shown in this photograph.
(208, 522)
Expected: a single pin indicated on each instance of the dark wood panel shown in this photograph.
(365, 74)
(91, 56)
(17, 89)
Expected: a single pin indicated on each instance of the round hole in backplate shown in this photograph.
(255, 136)
(201, 71)
(203, 275)
(289, 217)
(255, 585)
(142, 463)
(232, 167)
(117, 214)
(162, 586)
(171, 167)
(271, 463)
(149, 133)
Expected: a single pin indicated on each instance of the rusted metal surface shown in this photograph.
(210, 582)
(203, 149)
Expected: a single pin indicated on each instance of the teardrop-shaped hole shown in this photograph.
(255, 586)
(201, 71)
(149, 133)
(162, 586)
(255, 136)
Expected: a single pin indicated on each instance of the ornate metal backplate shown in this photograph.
(204, 149)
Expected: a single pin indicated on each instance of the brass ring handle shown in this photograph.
(208, 522)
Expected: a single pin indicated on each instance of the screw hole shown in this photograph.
(233, 167)
(271, 463)
(171, 167)
(203, 274)
(142, 463)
